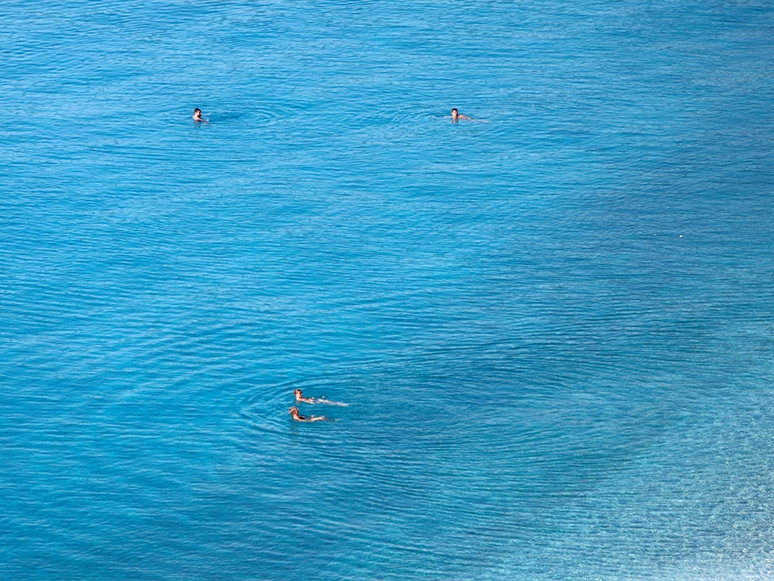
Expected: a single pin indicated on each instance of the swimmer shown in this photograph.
(456, 116)
(301, 399)
(299, 418)
(197, 116)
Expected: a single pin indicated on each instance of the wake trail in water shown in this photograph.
(322, 400)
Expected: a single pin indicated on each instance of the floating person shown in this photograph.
(299, 418)
(197, 116)
(456, 116)
(301, 399)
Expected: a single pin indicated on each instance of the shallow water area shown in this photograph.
(552, 325)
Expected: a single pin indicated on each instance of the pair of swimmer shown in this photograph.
(296, 415)
(455, 115)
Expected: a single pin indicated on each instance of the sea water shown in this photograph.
(554, 324)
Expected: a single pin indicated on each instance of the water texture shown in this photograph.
(554, 325)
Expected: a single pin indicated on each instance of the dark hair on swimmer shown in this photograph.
(197, 110)
(455, 109)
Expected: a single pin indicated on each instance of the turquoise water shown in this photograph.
(555, 328)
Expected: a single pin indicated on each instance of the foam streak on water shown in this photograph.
(554, 327)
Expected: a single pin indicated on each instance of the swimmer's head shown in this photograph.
(197, 114)
(294, 411)
(296, 392)
(455, 113)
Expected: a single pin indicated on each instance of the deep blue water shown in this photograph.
(555, 328)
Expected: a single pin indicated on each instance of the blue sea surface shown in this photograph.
(554, 324)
